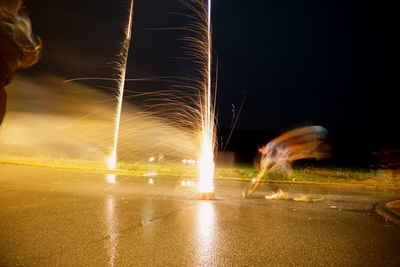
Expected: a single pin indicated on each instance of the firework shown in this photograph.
(121, 84)
(201, 48)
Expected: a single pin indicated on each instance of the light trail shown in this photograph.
(206, 166)
(112, 161)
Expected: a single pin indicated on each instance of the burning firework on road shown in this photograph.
(201, 49)
(200, 46)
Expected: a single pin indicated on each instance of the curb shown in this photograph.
(387, 213)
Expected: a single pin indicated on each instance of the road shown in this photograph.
(54, 217)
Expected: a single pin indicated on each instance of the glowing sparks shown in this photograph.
(206, 165)
(121, 84)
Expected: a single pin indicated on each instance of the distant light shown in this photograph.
(183, 183)
(151, 159)
(184, 161)
(151, 181)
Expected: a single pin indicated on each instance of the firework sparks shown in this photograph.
(206, 160)
(121, 84)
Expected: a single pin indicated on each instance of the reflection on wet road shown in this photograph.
(111, 225)
(205, 231)
(53, 217)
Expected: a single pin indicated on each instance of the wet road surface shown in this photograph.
(55, 217)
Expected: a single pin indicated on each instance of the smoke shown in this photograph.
(16, 25)
(48, 118)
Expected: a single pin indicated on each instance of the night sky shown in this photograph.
(297, 62)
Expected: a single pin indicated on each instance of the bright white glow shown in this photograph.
(111, 179)
(184, 161)
(150, 174)
(151, 159)
(112, 161)
(151, 181)
(183, 183)
(205, 232)
(206, 168)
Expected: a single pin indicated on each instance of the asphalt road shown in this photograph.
(54, 217)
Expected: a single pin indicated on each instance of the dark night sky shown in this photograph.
(298, 61)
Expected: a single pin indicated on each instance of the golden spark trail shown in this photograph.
(206, 165)
(121, 84)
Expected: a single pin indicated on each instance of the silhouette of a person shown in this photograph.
(18, 48)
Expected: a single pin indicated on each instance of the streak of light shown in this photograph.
(206, 165)
(121, 84)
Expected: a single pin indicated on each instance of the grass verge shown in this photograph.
(340, 176)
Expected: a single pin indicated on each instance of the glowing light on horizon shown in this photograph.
(188, 183)
(112, 161)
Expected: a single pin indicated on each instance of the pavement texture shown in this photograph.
(53, 217)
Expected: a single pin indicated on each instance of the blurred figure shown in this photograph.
(18, 48)
(279, 154)
(302, 143)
